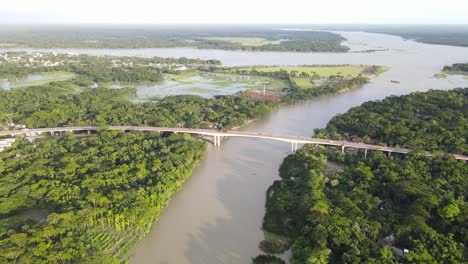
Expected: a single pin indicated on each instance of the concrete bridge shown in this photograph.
(218, 134)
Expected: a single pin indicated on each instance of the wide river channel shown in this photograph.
(216, 217)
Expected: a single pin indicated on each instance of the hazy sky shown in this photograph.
(234, 11)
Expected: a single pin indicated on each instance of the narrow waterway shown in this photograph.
(216, 218)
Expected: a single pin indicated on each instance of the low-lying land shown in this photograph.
(321, 71)
(252, 42)
(155, 78)
(380, 209)
(314, 75)
(313, 79)
(204, 37)
(38, 79)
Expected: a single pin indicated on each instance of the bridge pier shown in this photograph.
(342, 148)
(217, 140)
(365, 153)
(293, 147)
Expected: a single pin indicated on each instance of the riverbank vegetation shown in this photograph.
(380, 209)
(204, 37)
(252, 41)
(308, 81)
(320, 71)
(457, 68)
(440, 75)
(59, 104)
(433, 121)
(102, 192)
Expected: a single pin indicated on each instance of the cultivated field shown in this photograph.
(252, 42)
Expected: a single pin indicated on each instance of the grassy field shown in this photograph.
(181, 76)
(255, 82)
(303, 82)
(322, 71)
(252, 42)
(46, 77)
(440, 76)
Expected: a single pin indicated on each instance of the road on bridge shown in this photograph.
(218, 134)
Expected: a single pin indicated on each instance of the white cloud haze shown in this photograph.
(234, 11)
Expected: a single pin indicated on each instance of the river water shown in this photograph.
(216, 218)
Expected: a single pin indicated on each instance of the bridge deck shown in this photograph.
(219, 133)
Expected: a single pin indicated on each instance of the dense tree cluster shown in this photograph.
(379, 209)
(100, 193)
(103, 73)
(457, 68)
(335, 83)
(57, 104)
(434, 120)
(373, 211)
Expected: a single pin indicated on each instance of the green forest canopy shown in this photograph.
(379, 206)
(433, 121)
(101, 193)
(209, 37)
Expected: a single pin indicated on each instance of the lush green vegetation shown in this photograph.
(102, 192)
(57, 104)
(435, 120)
(350, 217)
(457, 68)
(307, 84)
(440, 75)
(320, 71)
(210, 37)
(332, 85)
(378, 206)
